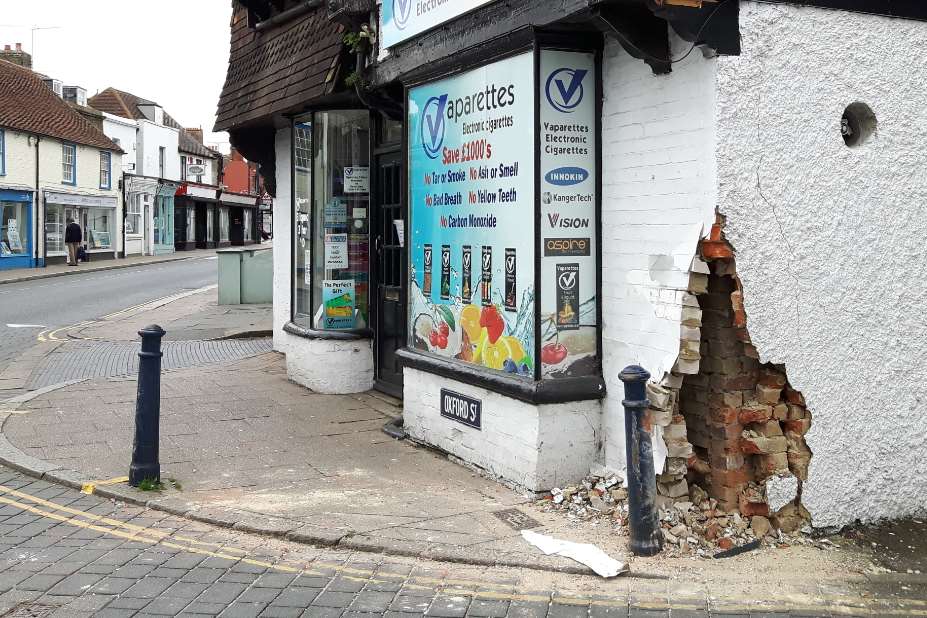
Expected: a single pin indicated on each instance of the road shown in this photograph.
(29, 307)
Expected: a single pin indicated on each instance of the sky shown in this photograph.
(174, 52)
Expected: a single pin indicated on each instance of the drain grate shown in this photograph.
(516, 519)
(31, 610)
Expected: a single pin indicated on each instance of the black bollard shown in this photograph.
(147, 408)
(646, 536)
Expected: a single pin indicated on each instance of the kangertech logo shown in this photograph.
(401, 11)
(564, 89)
(433, 125)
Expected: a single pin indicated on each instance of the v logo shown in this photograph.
(567, 91)
(433, 125)
(401, 10)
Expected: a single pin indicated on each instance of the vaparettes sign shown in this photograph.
(403, 19)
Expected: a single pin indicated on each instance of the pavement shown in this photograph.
(68, 554)
(245, 450)
(58, 270)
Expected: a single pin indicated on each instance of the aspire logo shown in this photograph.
(401, 11)
(564, 89)
(433, 125)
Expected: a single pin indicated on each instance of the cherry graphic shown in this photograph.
(553, 353)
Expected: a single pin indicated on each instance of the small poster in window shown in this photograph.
(12, 236)
(338, 300)
(400, 231)
(307, 269)
(336, 214)
(336, 251)
(357, 180)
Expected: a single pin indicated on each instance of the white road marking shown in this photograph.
(215, 257)
(25, 326)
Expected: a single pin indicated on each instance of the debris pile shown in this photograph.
(595, 499)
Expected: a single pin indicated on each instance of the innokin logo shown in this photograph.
(565, 176)
(433, 126)
(401, 11)
(564, 89)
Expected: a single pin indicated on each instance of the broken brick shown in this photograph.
(755, 413)
(771, 465)
(755, 444)
(793, 396)
(798, 427)
(749, 508)
(768, 394)
(769, 429)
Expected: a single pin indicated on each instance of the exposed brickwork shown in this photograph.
(742, 418)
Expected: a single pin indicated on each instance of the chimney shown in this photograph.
(197, 134)
(16, 56)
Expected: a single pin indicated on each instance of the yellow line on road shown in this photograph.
(459, 587)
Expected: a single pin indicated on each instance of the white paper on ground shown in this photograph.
(584, 553)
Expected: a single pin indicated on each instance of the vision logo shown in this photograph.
(433, 126)
(401, 11)
(445, 259)
(567, 280)
(466, 260)
(487, 260)
(564, 89)
(510, 264)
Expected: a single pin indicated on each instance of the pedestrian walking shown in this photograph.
(73, 238)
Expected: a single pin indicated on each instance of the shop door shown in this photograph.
(390, 271)
(236, 227)
(200, 226)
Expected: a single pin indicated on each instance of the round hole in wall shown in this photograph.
(858, 124)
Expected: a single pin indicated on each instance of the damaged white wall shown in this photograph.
(283, 251)
(830, 240)
(658, 199)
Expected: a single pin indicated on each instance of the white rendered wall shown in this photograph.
(20, 161)
(151, 137)
(323, 365)
(116, 127)
(658, 199)
(532, 447)
(830, 240)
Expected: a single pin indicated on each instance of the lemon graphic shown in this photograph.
(512, 347)
(482, 341)
(494, 355)
(470, 321)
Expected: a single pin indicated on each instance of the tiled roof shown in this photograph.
(28, 105)
(278, 69)
(125, 104)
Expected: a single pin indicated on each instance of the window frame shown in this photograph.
(311, 116)
(108, 157)
(183, 167)
(162, 160)
(2, 152)
(72, 148)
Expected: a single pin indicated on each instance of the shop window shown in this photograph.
(210, 224)
(247, 219)
(98, 233)
(183, 167)
(69, 164)
(331, 202)
(106, 161)
(223, 224)
(133, 214)
(14, 218)
(54, 228)
(191, 223)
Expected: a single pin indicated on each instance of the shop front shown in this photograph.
(195, 216)
(140, 195)
(238, 219)
(96, 216)
(16, 243)
(162, 224)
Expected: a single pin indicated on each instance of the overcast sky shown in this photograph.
(174, 52)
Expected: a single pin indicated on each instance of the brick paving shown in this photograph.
(66, 554)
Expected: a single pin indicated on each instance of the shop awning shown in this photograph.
(237, 199)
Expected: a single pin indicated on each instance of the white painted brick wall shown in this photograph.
(658, 198)
(531, 447)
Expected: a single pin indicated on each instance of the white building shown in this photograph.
(736, 187)
(162, 155)
(55, 165)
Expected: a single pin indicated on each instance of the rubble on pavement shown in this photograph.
(696, 527)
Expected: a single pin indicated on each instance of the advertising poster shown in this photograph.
(336, 251)
(357, 180)
(338, 301)
(568, 205)
(471, 192)
(403, 19)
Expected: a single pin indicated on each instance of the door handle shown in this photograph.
(378, 244)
